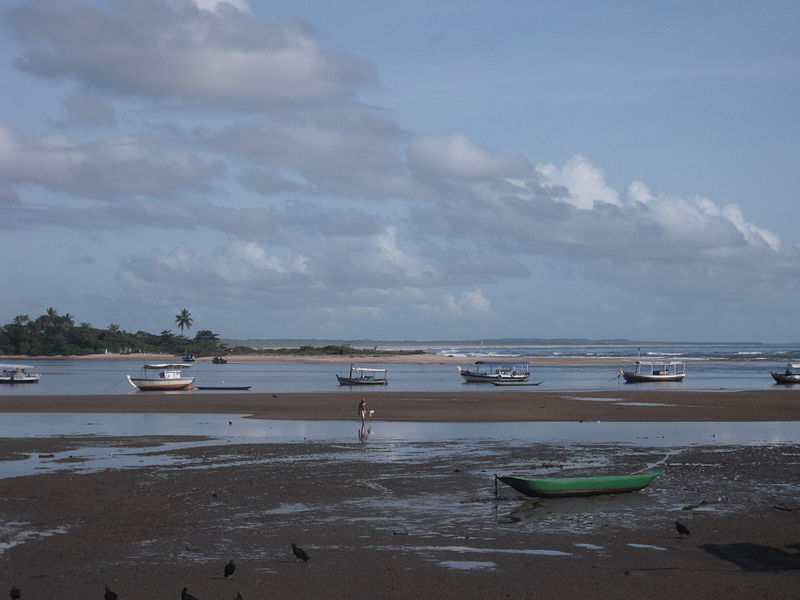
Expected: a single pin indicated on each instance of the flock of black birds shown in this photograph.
(228, 571)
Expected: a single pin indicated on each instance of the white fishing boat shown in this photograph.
(168, 378)
(643, 371)
(14, 374)
(363, 376)
(790, 375)
(489, 371)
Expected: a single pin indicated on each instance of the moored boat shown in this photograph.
(363, 376)
(219, 360)
(169, 378)
(14, 374)
(647, 371)
(556, 487)
(489, 371)
(790, 375)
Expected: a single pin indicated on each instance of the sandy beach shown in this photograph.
(402, 519)
(472, 406)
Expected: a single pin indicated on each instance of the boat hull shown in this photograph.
(515, 383)
(161, 385)
(642, 378)
(16, 380)
(560, 487)
(360, 381)
(784, 378)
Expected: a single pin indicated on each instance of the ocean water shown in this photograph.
(732, 367)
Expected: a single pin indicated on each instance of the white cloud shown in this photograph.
(113, 167)
(241, 262)
(470, 303)
(585, 182)
(217, 55)
(458, 157)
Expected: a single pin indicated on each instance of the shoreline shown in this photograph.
(477, 406)
(425, 358)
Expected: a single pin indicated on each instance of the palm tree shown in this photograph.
(184, 319)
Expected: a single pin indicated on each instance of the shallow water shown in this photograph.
(406, 442)
(108, 377)
(240, 429)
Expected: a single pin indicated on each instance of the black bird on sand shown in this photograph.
(15, 594)
(109, 595)
(682, 529)
(185, 595)
(299, 553)
(238, 596)
(229, 569)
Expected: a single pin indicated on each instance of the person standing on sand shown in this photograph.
(362, 410)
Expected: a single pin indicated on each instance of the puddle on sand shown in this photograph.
(647, 547)
(14, 533)
(470, 550)
(469, 565)
(590, 546)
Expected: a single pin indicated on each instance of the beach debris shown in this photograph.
(185, 595)
(782, 506)
(15, 594)
(299, 553)
(682, 529)
(110, 594)
(229, 569)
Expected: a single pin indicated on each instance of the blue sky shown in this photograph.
(412, 171)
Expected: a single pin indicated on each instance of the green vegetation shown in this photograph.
(52, 334)
(56, 335)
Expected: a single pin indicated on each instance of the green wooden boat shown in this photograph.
(555, 487)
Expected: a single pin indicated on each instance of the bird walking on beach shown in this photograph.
(185, 595)
(110, 594)
(299, 553)
(15, 594)
(682, 529)
(238, 596)
(229, 569)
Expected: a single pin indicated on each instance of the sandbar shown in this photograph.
(473, 406)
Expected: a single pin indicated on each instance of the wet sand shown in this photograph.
(408, 520)
(425, 524)
(470, 406)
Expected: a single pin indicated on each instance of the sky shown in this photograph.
(404, 171)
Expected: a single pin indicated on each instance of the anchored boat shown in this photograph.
(556, 487)
(169, 378)
(790, 375)
(488, 371)
(17, 374)
(363, 376)
(644, 371)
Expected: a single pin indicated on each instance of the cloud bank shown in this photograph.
(310, 209)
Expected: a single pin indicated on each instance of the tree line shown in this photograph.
(52, 334)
